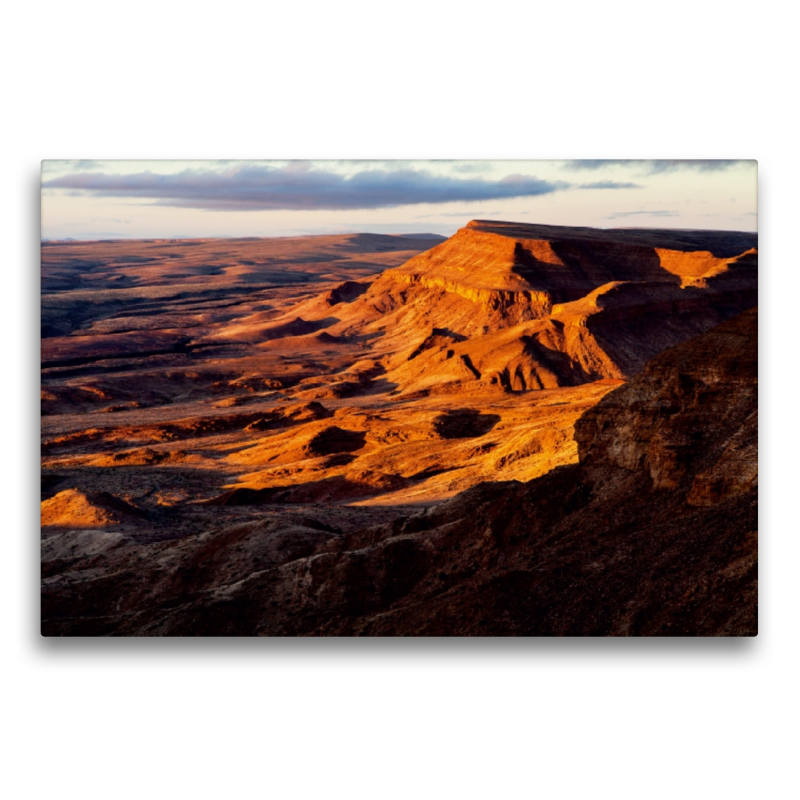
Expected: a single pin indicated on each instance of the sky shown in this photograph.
(177, 199)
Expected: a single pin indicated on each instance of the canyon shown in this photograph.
(520, 430)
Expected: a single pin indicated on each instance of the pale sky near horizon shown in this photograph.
(177, 199)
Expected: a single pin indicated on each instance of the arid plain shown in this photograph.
(521, 429)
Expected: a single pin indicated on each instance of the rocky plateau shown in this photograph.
(520, 430)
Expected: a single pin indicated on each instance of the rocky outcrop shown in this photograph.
(703, 390)
(72, 508)
(346, 292)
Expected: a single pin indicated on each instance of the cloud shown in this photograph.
(610, 185)
(466, 215)
(656, 166)
(50, 165)
(299, 185)
(472, 166)
(660, 213)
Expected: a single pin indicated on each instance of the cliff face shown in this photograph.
(654, 532)
(704, 391)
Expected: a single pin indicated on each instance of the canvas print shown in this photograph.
(399, 398)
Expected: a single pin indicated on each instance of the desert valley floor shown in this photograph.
(519, 430)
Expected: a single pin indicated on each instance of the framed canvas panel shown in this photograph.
(444, 398)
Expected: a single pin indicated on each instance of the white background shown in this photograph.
(353, 719)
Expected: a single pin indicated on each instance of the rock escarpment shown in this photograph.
(530, 307)
(654, 532)
(691, 413)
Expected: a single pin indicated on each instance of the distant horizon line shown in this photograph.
(421, 234)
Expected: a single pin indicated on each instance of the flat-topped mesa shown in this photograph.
(592, 257)
(537, 306)
(485, 269)
(721, 244)
(479, 264)
(525, 269)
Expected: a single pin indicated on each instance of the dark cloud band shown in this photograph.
(610, 185)
(659, 213)
(300, 186)
(655, 166)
